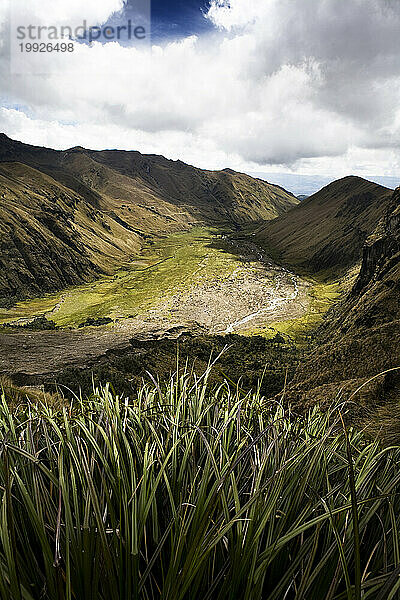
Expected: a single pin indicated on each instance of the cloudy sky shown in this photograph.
(308, 86)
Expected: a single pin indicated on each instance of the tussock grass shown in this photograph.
(384, 424)
(17, 395)
(190, 492)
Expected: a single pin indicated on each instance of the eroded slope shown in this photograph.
(361, 338)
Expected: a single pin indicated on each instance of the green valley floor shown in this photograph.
(202, 281)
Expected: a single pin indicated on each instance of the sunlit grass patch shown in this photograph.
(29, 308)
(322, 297)
(169, 264)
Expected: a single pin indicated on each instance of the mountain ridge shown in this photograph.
(111, 203)
(324, 234)
(360, 338)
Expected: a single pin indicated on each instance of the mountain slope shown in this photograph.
(68, 216)
(362, 336)
(51, 237)
(325, 234)
(115, 175)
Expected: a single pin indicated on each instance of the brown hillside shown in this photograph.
(362, 336)
(325, 234)
(69, 216)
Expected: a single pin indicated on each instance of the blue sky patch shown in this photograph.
(179, 18)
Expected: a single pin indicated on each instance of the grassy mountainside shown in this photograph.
(67, 216)
(362, 336)
(212, 195)
(50, 236)
(325, 234)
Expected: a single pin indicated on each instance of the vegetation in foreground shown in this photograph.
(188, 491)
(248, 362)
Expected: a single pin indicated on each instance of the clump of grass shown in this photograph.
(16, 394)
(384, 424)
(191, 492)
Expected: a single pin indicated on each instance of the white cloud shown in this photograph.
(62, 135)
(305, 84)
(230, 14)
(65, 12)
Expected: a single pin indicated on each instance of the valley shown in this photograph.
(104, 250)
(196, 321)
(201, 282)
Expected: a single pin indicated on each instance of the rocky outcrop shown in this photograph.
(381, 250)
(361, 337)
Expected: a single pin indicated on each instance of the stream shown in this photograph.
(272, 304)
(276, 302)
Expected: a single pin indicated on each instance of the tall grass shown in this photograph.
(186, 492)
